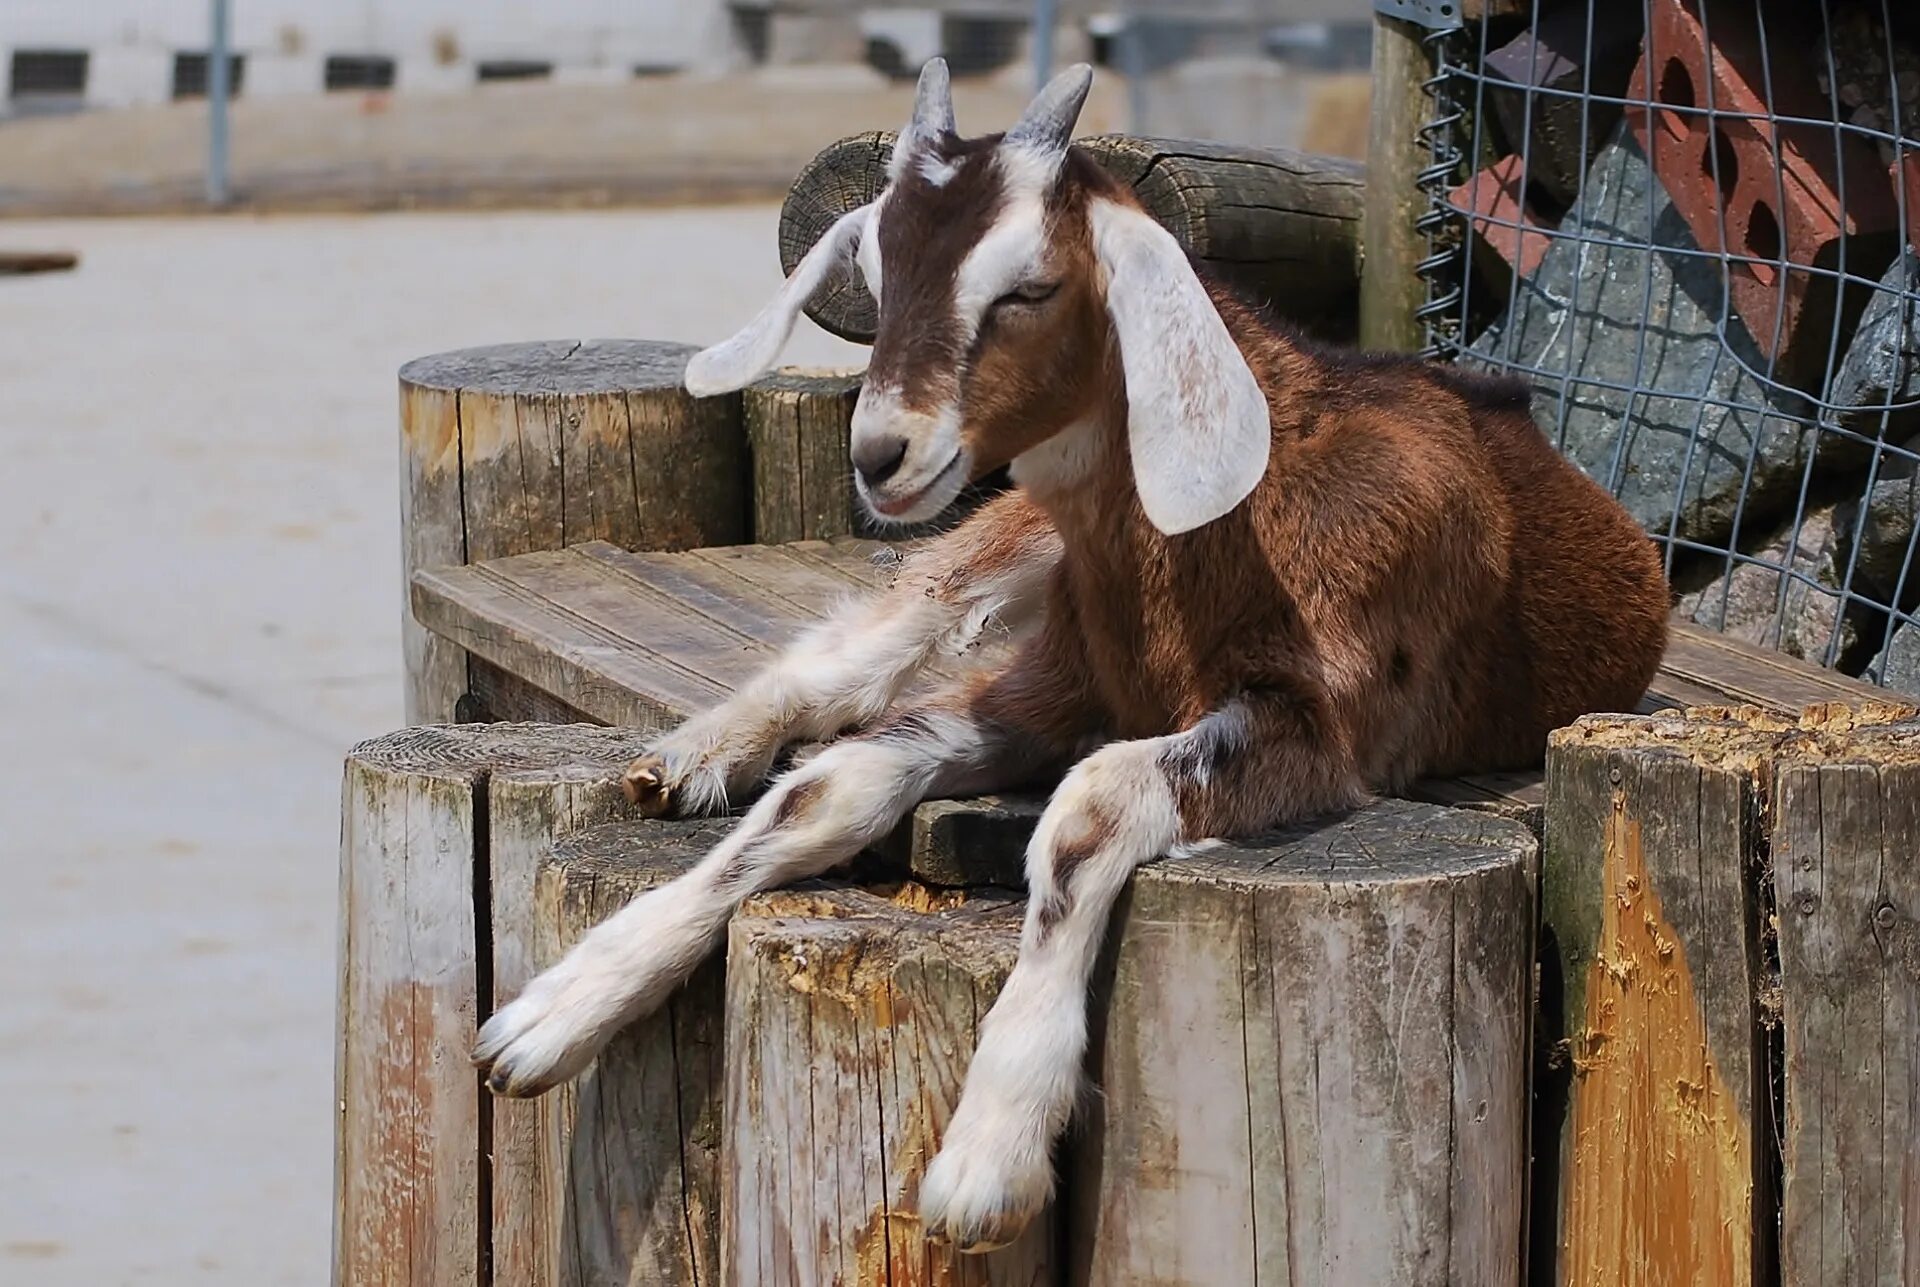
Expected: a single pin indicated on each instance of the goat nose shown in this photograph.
(878, 458)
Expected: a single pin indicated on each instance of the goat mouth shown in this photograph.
(902, 507)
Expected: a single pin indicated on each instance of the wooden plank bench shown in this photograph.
(599, 634)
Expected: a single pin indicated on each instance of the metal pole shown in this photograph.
(1046, 17)
(1133, 64)
(219, 90)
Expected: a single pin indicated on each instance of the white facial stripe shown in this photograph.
(1011, 249)
(1015, 246)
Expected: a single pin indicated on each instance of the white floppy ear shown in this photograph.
(1197, 423)
(739, 361)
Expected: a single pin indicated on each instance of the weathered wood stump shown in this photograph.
(1707, 877)
(797, 425)
(620, 1178)
(440, 830)
(1846, 878)
(1655, 1073)
(1313, 1060)
(523, 447)
(1281, 225)
(850, 1016)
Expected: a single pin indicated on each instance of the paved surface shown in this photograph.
(198, 614)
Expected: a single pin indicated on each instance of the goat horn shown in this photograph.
(932, 103)
(1048, 121)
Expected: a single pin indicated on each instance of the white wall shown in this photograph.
(435, 42)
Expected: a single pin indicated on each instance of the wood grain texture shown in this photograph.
(1390, 287)
(432, 534)
(525, 447)
(850, 1016)
(1280, 225)
(416, 964)
(1846, 869)
(797, 424)
(955, 844)
(527, 811)
(1652, 1108)
(1313, 1060)
(622, 1177)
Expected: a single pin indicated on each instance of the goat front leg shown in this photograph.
(815, 817)
(846, 672)
(1254, 763)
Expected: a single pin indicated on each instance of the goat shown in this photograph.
(1253, 580)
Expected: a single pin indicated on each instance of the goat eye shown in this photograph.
(1028, 293)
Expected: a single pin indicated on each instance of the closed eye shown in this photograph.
(1028, 293)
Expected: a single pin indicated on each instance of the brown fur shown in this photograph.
(1420, 584)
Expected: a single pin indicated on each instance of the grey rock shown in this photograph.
(1772, 601)
(1881, 367)
(1898, 667)
(1885, 522)
(1614, 312)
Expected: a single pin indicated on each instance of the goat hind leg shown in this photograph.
(850, 669)
(1248, 766)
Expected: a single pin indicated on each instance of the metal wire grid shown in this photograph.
(1879, 441)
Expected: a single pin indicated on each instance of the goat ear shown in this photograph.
(736, 362)
(1197, 422)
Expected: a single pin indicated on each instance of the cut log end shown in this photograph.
(558, 367)
(462, 750)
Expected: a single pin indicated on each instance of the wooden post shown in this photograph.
(797, 424)
(420, 837)
(1390, 287)
(1652, 1108)
(618, 1176)
(1281, 225)
(1846, 871)
(850, 1016)
(524, 447)
(1313, 1062)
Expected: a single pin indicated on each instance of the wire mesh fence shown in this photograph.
(1689, 224)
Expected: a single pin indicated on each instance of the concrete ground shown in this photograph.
(199, 589)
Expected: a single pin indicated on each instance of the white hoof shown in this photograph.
(624, 969)
(551, 1032)
(980, 1193)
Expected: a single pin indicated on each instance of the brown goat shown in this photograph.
(1256, 579)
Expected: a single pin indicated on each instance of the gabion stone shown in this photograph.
(1881, 368)
(1885, 523)
(1603, 317)
(1764, 603)
(1898, 667)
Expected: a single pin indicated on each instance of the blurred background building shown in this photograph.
(447, 102)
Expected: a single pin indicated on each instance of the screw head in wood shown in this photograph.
(1884, 916)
